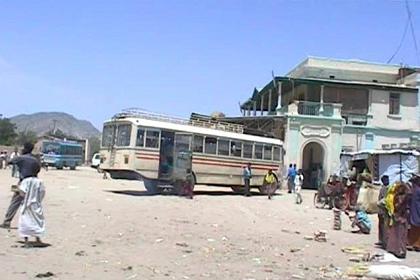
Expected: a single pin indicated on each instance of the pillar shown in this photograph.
(255, 108)
(321, 100)
(262, 105)
(270, 97)
(279, 95)
(370, 102)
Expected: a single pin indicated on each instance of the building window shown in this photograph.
(394, 103)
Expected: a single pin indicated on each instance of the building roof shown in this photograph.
(272, 85)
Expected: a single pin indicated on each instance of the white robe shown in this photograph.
(31, 220)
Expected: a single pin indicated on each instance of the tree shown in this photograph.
(94, 146)
(26, 136)
(7, 132)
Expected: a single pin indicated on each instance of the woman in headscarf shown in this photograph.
(414, 231)
(397, 201)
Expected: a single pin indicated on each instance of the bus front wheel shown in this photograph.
(151, 187)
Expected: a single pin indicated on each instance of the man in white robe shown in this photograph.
(31, 220)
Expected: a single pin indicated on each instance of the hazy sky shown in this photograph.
(94, 58)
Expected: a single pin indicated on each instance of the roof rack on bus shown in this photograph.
(210, 123)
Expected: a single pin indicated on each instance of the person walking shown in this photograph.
(382, 214)
(270, 183)
(298, 186)
(28, 166)
(15, 170)
(247, 175)
(414, 231)
(397, 206)
(291, 174)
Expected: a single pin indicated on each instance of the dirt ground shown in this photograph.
(111, 229)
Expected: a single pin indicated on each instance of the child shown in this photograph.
(298, 186)
(362, 221)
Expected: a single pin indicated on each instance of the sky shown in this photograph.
(94, 58)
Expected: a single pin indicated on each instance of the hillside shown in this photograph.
(44, 122)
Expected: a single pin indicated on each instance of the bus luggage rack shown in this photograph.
(214, 124)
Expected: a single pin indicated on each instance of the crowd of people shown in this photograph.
(28, 196)
(399, 216)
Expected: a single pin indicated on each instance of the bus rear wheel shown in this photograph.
(151, 186)
(238, 189)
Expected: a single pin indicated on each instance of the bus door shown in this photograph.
(166, 155)
(182, 157)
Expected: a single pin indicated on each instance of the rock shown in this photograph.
(81, 253)
(45, 275)
(294, 250)
(308, 237)
(181, 244)
(159, 240)
(128, 268)
(297, 276)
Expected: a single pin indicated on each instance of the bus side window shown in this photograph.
(210, 145)
(223, 147)
(140, 137)
(152, 139)
(236, 148)
(268, 152)
(258, 151)
(276, 153)
(247, 150)
(198, 144)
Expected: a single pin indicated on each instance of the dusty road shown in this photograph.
(109, 229)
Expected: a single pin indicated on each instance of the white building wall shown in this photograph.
(407, 120)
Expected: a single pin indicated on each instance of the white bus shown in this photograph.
(138, 145)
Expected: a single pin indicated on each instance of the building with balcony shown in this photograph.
(325, 106)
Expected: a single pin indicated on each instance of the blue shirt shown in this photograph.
(361, 216)
(247, 173)
(291, 173)
(29, 166)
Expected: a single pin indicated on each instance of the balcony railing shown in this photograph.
(309, 108)
(315, 109)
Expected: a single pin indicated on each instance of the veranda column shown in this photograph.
(270, 97)
(279, 84)
(255, 108)
(321, 101)
(262, 105)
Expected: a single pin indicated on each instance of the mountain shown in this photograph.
(43, 122)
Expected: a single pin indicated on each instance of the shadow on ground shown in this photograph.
(34, 244)
(196, 193)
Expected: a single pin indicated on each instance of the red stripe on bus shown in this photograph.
(152, 158)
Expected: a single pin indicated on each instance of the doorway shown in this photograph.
(313, 165)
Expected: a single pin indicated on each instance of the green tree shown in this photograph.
(7, 132)
(94, 146)
(26, 136)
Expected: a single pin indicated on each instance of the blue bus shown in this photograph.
(60, 154)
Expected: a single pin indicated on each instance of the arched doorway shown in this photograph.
(313, 164)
